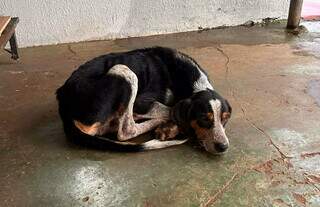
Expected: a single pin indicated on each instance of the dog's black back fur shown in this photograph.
(157, 69)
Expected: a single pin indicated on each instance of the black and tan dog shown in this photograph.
(133, 92)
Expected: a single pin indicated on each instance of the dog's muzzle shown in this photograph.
(217, 142)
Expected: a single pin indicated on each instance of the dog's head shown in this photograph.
(205, 115)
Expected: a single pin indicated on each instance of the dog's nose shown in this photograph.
(220, 147)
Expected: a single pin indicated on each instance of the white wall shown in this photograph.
(45, 22)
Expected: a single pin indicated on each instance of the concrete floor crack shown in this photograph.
(220, 191)
(71, 50)
(283, 155)
(226, 63)
(255, 126)
(312, 180)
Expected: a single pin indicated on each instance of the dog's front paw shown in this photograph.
(166, 131)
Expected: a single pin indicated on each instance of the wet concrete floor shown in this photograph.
(271, 78)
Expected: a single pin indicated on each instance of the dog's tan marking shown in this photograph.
(91, 130)
(202, 133)
(98, 128)
(210, 116)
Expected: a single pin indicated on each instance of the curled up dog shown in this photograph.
(134, 92)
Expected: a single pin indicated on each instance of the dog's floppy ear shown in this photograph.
(226, 106)
(226, 111)
(180, 112)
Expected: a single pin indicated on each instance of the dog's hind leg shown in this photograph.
(157, 111)
(128, 128)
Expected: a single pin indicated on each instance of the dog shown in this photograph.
(131, 93)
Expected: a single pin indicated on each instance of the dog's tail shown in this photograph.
(104, 143)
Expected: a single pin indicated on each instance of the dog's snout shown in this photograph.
(220, 147)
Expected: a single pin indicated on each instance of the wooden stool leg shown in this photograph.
(14, 47)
